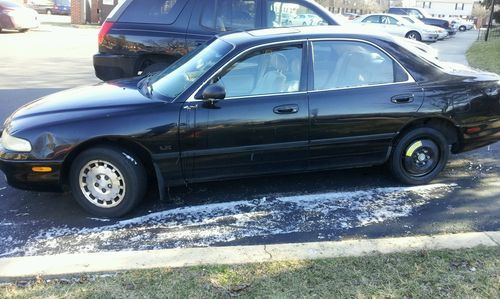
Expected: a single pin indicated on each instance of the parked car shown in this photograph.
(463, 25)
(56, 7)
(399, 26)
(423, 15)
(305, 20)
(14, 16)
(143, 36)
(253, 103)
(442, 34)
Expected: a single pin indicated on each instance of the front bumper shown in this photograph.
(20, 175)
(430, 37)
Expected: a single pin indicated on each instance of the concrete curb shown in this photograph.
(67, 264)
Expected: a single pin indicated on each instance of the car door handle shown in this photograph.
(402, 99)
(286, 109)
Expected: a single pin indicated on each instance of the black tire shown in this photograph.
(127, 181)
(419, 156)
(23, 30)
(462, 28)
(414, 35)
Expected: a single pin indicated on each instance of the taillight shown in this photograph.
(106, 26)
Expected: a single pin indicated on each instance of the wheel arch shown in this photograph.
(446, 126)
(120, 142)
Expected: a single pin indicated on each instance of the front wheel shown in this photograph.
(419, 156)
(414, 35)
(107, 181)
(462, 28)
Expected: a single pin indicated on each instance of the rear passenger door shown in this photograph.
(211, 17)
(359, 97)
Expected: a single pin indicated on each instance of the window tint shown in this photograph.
(287, 14)
(341, 64)
(269, 71)
(153, 11)
(228, 15)
(372, 19)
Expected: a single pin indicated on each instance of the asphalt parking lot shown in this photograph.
(344, 204)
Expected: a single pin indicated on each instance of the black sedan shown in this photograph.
(253, 103)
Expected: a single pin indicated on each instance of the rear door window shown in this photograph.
(153, 11)
(346, 64)
(372, 19)
(229, 15)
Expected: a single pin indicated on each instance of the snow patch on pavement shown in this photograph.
(210, 224)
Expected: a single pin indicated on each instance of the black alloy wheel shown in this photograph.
(419, 156)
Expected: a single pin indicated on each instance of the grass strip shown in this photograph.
(471, 273)
(485, 55)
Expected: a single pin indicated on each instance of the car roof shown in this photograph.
(269, 35)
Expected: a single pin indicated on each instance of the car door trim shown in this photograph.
(352, 139)
(245, 149)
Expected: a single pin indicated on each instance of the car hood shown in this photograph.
(101, 100)
(118, 94)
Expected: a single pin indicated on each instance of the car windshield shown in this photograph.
(180, 75)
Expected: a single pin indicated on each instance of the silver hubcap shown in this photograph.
(102, 184)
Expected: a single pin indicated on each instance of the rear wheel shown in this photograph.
(462, 28)
(419, 156)
(48, 11)
(107, 181)
(414, 35)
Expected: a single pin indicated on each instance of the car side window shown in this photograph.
(270, 71)
(228, 15)
(388, 20)
(343, 64)
(153, 11)
(372, 19)
(288, 14)
(415, 13)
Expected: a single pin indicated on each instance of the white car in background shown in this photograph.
(305, 20)
(399, 26)
(442, 33)
(463, 25)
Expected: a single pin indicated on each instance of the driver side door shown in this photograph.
(260, 127)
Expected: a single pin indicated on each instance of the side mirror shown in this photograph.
(213, 92)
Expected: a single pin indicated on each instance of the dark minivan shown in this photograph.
(144, 36)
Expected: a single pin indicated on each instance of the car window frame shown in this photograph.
(310, 83)
(196, 95)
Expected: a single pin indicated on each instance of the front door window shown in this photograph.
(269, 71)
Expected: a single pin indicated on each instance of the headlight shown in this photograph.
(15, 144)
